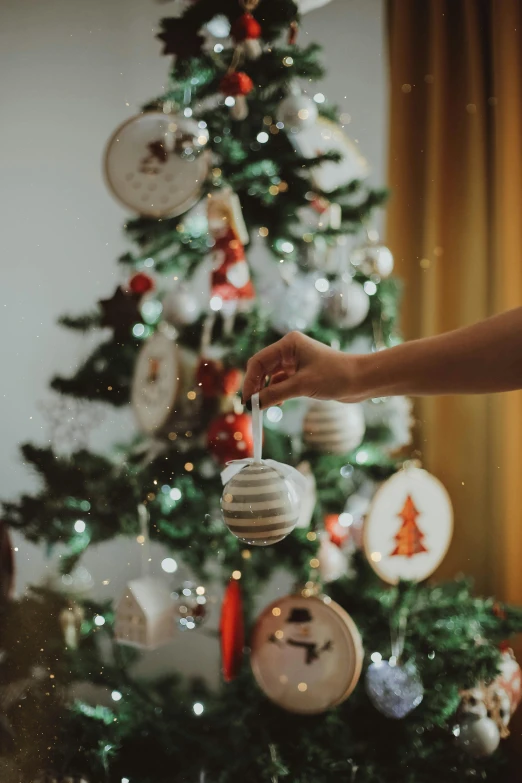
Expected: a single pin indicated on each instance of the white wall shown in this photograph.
(71, 72)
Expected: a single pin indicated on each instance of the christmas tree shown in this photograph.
(247, 194)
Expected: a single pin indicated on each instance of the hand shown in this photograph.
(301, 367)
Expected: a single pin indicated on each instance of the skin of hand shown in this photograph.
(301, 367)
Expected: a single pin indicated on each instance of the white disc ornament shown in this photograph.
(408, 527)
(297, 111)
(479, 737)
(155, 383)
(260, 501)
(333, 427)
(394, 690)
(306, 654)
(348, 305)
(154, 163)
(180, 306)
(372, 258)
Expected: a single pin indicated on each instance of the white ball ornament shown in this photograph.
(297, 111)
(297, 305)
(348, 305)
(372, 258)
(332, 427)
(259, 506)
(180, 306)
(479, 737)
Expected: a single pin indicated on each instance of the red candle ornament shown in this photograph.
(232, 630)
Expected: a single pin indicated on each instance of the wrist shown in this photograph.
(370, 376)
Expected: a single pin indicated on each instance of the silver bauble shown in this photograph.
(297, 111)
(180, 306)
(348, 305)
(477, 736)
(372, 258)
(297, 305)
(394, 690)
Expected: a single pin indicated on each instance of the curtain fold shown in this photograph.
(454, 225)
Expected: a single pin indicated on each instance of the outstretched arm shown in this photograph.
(478, 359)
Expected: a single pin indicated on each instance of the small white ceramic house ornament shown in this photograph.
(408, 527)
(144, 614)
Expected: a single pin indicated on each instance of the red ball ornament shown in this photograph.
(236, 83)
(232, 630)
(245, 28)
(336, 532)
(141, 283)
(209, 378)
(230, 437)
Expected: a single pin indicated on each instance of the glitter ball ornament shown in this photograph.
(394, 690)
(230, 437)
(348, 305)
(297, 305)
(153, 163)
(180, 306)
(372, 258)
(333, 427)
(190, 606)
(479, 737)
(297, 111)
(260, 506)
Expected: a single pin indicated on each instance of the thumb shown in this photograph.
(277, 393)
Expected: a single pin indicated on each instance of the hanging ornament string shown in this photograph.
(398, 637)
(285, 471)
(273, 756)
(144, 539)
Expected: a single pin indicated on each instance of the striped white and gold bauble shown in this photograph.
(260, 506)
(333, 427)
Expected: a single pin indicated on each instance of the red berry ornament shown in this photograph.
(236, 83)
(245, 28)
(230, 437)
(141, 283)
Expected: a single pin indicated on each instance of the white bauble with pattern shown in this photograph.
(333, 427)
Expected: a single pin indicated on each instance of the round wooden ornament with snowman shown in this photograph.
(409, 526)
(306, 654)
(260, 501)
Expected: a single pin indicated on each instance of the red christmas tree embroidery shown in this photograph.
(409, 538)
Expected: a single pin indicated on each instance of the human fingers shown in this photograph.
(269, 361)
(277, 393)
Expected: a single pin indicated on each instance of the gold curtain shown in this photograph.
(455, 227)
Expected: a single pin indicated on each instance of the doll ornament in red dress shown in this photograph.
(232, 290)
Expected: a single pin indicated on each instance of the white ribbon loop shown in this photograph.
(285, 471)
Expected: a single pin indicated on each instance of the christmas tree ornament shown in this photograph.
(230, 437)
(308, 496)
(152, 165)
(71, 619)
(140, 283)
(297, 111)
(230, 280)
(333, 563)
(232, 631)
(121, 312)
(394, 689)
(180, 39)
(237, 85)
(296, 306)
(394, 414)
(348, 304)
(246, 31)
(55, 777)
(372, 258)
(155, 383)
(144, 613)
(7, 563)
(260, 501)
(332, 427)
(306, 653)
(479, 737)
(180, 306)
(305, 6)
(409, 526)
(325, 136)
(338, 532)
(509, 679)
(190, 606)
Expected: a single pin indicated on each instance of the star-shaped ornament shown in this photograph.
(120, 312)
(180, 40)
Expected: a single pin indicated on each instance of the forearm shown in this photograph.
(485, 357)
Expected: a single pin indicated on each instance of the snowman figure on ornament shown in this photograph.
(232, 290)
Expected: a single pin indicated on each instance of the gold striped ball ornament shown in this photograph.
(260, 507)
(333, 427)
